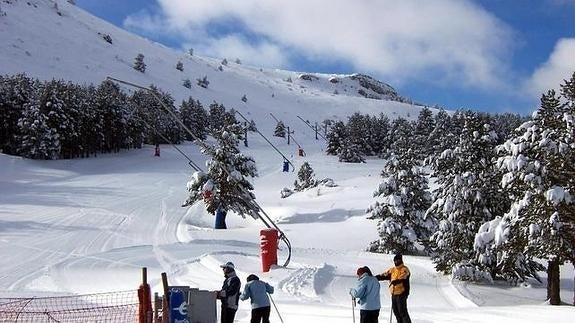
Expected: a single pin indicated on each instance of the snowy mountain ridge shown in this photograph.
(55, 39)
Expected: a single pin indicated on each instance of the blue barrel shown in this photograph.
(220, 219)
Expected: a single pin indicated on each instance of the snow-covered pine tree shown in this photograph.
(468, 194)
(305, 178)
(350, 153)
(401, 137)
(112, 109)
(216, 114)
(139, 64)
(540, 166)
(195, 117)
(244, 98)
(203, 82)
(441, 137)
(280, 130)
(335, 138)
(379, 135)
(421, 134)
(225, 185)
(37, 139)
(187, 83)
(358, 129)
(154, 114)
(402, 200)
(15, 92)
(224, 62)
(180, 66)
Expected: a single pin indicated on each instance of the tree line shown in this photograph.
(57, 119)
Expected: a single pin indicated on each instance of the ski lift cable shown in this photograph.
(265, 220)
(276, 119)
(190, 161)
(266, 139)
(312, 128)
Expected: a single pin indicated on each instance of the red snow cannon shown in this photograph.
(269, 248)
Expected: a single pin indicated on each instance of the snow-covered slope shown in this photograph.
(55, 39)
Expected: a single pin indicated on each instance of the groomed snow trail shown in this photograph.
(83, 226)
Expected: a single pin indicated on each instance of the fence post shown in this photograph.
(165, 300)
(145, 299)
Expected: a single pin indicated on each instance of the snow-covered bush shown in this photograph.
(469, 272)
(285, 192)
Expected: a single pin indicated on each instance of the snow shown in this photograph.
(89, 225)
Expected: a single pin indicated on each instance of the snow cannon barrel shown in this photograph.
(269, 248)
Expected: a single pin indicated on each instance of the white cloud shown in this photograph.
(263, 54)
(559, 66)
(453, 41)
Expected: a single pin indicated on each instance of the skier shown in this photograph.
(367, 294)
(229, 294)
(398, 277)
(257, 291)
(157, 150)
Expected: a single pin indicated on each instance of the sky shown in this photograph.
(487, 55)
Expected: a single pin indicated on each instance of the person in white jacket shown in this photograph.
(257, 291)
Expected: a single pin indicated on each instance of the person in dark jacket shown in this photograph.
(257, 291)
(398, 277)
(367, 295)
(229, 295)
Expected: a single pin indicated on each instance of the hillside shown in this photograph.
(55, 39)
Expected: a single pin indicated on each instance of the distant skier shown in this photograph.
(229, 294)
(157, 150)
(398, 277)
(257, 291)
(367, 294)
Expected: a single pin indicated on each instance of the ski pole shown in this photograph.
(391, 310)
(353, 308)
(271, 299)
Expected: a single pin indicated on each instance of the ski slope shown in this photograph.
(89, 225)
(86, 226)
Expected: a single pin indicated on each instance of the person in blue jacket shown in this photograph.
(257, 291)
(367, 294)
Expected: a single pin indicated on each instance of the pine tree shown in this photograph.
(161, 123)
(139, 64)
(187, 83)
(540, 167)
(244, 98)
(280, 130)
(421, 134)
(203, 82)
(195, 117)
(335, 138)
(225, 185)
(37, 139)
(350, 153)
(305, 178)
(180, 66)
(468, 194)
(379, 135)
(441, 137)
(15, 92)
(402, 200)
(358, 129)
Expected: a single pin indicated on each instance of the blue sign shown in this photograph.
(178, 305)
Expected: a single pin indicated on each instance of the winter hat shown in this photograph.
(398, 257)
(252, 277)
(228, 264)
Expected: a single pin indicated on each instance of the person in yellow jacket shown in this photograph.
(398, 277)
